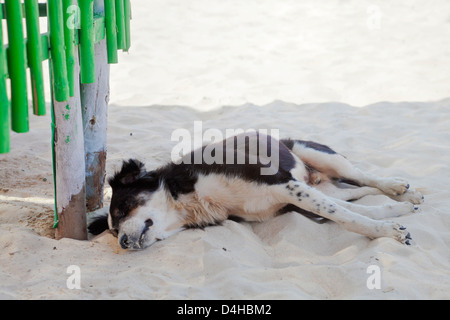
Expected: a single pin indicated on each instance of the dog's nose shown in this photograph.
(129, 242)
(124, 243)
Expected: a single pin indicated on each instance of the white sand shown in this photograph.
(206, 54)
(210, 53)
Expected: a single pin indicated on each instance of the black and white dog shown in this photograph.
(309, 178)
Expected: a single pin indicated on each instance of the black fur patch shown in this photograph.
(236, 218)
(131, 171)
(177, 179)
(308, 144)
(247, 171)
(202, 225)
(292, 208)
(99, 225)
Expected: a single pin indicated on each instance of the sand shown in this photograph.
(264, 66)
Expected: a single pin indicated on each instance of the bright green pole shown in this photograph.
(35, 56)
(87, 51)
(17, 66)
(4, 103)
(127, 11)
(69, 40)
(120, 20)
(111, 30)
(57, 50)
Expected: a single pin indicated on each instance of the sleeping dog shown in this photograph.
(309, 178)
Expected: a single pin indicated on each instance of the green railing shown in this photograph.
(83, 36)
(74, 28)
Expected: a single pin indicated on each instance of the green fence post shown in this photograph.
(57, 50)
(120, 20)
(69, 40)
(87, 52)
(35, 56)
(111, 30)
(4, 103)
(127, 16)
(17, 66)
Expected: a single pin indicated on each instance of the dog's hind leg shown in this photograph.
(340, 191)
(342, 195)
(303, 196)
(380, 212)
(335, 166)
(346, 192)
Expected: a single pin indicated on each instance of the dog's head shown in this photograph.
(140, 213)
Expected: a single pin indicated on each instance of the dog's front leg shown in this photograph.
(310, 199)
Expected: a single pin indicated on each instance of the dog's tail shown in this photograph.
(312, 216)
(98, 224)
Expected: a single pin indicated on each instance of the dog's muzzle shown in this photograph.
(137, 241)
(127, 242)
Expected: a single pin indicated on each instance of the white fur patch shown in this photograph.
(249, 200)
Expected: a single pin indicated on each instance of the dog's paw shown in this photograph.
(394, 186)
(413, 196)
(403, 208)
(401, 234)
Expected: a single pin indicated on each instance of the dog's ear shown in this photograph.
(131, 171)
(149, 181)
